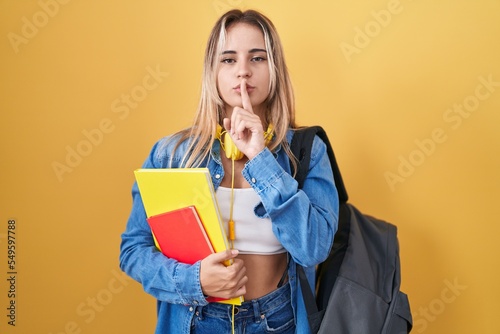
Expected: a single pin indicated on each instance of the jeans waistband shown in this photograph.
(252, 308)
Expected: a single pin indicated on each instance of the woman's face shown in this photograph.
(244, 56)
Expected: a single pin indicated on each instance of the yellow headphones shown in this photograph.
(230, 148)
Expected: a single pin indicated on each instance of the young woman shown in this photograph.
(246, 95)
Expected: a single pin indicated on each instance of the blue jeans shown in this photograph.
(271, 313)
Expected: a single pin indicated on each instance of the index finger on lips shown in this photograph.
(245, 98)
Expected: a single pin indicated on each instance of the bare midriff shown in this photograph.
(264, 273)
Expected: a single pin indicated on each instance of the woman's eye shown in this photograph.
(227, 61)
(258, 59)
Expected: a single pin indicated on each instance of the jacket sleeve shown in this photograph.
(164, 278)
(304, 220)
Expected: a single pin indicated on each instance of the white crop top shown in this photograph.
(254, 235)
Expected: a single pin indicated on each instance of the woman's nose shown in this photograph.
(244, 70)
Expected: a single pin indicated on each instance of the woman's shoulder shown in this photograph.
(168, 150)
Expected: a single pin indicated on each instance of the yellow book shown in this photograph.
(166, 189)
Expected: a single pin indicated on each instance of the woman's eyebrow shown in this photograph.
(255, 50)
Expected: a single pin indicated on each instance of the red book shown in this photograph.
(179, 234)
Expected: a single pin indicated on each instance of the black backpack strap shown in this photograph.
(301, 147)
(314, 316)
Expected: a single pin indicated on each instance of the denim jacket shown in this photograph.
(304, 221)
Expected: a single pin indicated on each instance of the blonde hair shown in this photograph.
(280, 103)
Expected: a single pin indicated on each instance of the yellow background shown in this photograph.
(380, 76)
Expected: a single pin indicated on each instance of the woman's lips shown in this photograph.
(238, 88)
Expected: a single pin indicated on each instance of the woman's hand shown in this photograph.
(245, 127)
(220, 281)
